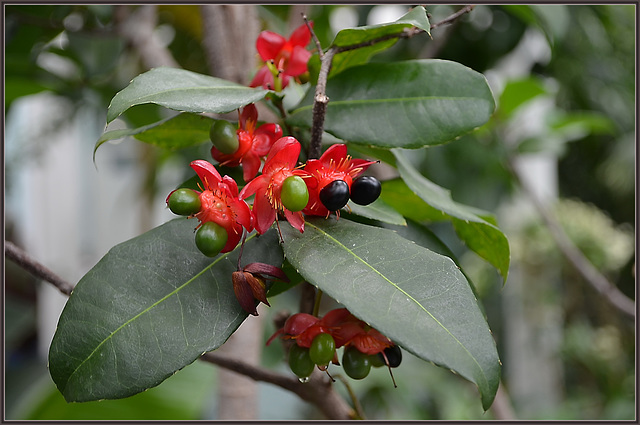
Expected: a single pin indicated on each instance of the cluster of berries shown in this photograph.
(281, 187)
(316, 340)
(320, 187)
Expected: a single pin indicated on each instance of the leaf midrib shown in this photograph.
(170, 294)
(357, 257)
(389, 100)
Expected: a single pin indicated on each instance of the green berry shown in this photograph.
(322, 349)
(355, 363)
(300, 362)
(184, 201)
(294, 193)
(376, 360)
(211, 238)
(223, 136)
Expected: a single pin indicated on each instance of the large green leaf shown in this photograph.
(416, 297)
(179, 131)
(151, 306)
(380, 36)
(475, 227)
(416, 17)
(183, 91)
(406, 104)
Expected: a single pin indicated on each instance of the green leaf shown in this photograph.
(151, 306)
(183, 91)
(179, 131)
(378, 210)
(416, 17)
(475, 227)
(517, 93)
(406, 104)
(416, 297)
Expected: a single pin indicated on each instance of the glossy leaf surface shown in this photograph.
(475, 227)
(414, 296)
(149, 307)
(180, 131)
(406, 104)
(183, 91)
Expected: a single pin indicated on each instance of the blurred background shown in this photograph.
(564, 79)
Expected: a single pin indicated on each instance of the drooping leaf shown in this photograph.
(406, 104)
(149, 307)
(416, 297)
(183, 91)
(475, 227)
(179, 131)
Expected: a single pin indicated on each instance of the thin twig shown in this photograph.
(577, 259)
(20, 257)
(354, 399)
(451, 18)
(313, 35)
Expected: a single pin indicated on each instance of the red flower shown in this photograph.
(289, 57)
(344, 327)
(334, 164)
(220, 203)
(280, 164)
(254, 143)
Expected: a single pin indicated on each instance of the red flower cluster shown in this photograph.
(220, 203)
(283, 58)
(334, 164)
(344, 327)
(254, 143)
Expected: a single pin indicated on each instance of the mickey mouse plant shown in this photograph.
(156, 303)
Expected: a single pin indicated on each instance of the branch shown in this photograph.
(21, 258)
(577, 259)
(318, 391)
(321, 100)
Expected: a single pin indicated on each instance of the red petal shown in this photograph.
(207, 173)
(232, 186)
(259, 184)
(363, 164)
(284, 153)
(269, 45)
(249, 113)
(335, 317)
(298, 62)
(250, 166)
(263, 78)
(301, 35)
(295, 219)
(298, 323)
(263, 213)
(234, 233)
(264, 137)
(272, 337)
(335, 152)
(243, 214)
